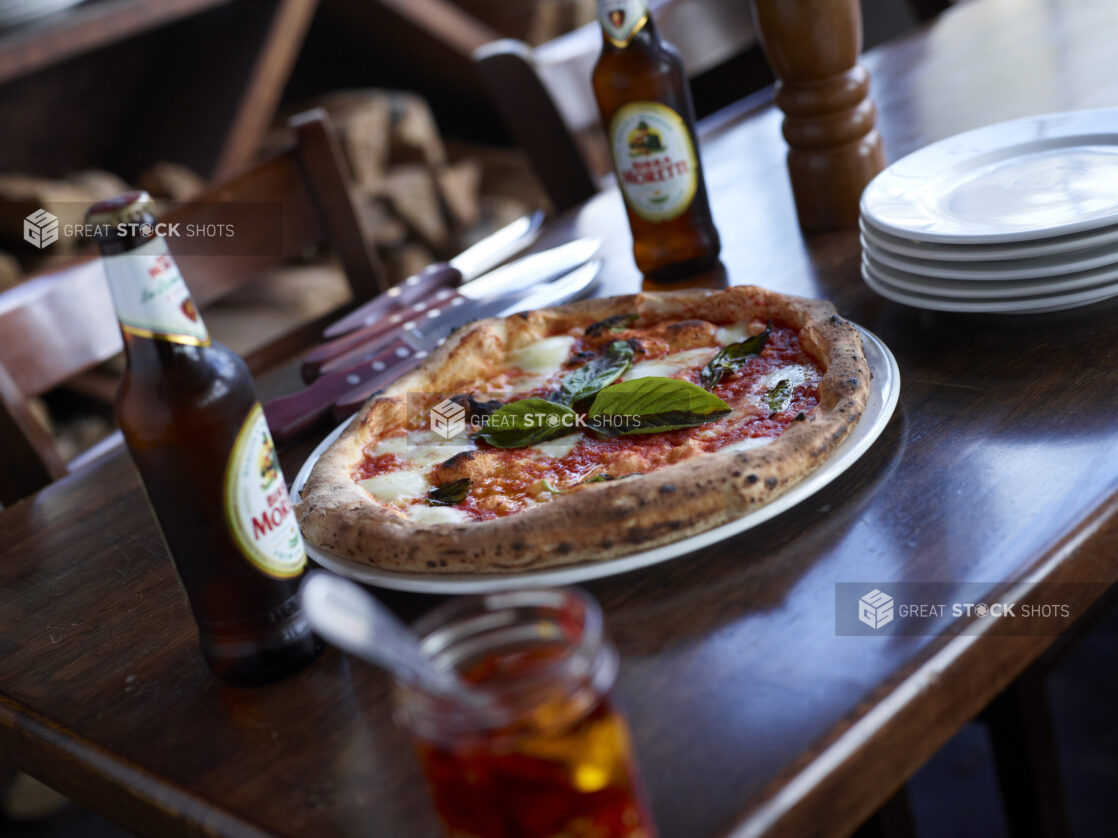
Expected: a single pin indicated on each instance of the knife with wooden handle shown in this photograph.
(466, 266)
(344, 346)
(367, 349)
(434, 278)
(290, 416)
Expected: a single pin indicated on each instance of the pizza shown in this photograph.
(588, 431)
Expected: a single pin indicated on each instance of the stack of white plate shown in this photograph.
(1012, 218)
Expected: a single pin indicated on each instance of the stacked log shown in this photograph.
(419, 202)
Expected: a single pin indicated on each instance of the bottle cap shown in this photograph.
(133, 207)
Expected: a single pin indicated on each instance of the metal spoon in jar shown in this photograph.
(344, 615)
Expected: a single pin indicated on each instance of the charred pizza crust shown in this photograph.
(607, 519)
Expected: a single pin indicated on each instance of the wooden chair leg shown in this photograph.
(327, 173)
(892, 820)
(1024, 746)
(32, 461)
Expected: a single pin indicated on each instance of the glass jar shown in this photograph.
(541, 751)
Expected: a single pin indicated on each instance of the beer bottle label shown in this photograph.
(151, 298)
(622, 19)
(655, 160)
(257, 507)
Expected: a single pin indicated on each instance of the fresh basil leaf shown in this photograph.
(449, 494)
(617, 323)
(591, 377)
(528, 421)
(780, 396)
(653, 404)
(731, 358)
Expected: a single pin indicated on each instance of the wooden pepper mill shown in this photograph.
(834, 148)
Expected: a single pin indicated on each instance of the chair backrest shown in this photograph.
(57, 324)
(544, 96)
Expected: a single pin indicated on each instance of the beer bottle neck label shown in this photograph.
(257, 507)
(655, 160)
(150, 296)
(622, 19)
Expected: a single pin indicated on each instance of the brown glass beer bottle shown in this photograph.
(645, 103)
(195, 430)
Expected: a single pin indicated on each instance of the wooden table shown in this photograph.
(750, 715)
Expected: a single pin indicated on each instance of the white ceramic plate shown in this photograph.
(882, 401)
(1041, 267)
(1011, 182)
(1075, 243)
(1016, 305)
(995, 289)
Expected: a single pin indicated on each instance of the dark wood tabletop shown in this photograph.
(750, 715)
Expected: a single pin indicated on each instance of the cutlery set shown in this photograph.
(390, 335)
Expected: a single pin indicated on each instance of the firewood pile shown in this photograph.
(421, 199)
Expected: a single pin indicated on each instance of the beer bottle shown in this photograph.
(649, 119)
(195, 430)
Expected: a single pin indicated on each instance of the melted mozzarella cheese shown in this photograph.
(396, 487)
(671, 365)
(422, 448)
(749, 444)
(794, 374)
(428, 455)
(725, 335)
(437, 515)
(558, 448)
(397, 445)
(544, 357)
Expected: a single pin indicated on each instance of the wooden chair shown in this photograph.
(544, 97)
(58, 324)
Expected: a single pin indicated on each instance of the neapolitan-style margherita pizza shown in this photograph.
(588, 431)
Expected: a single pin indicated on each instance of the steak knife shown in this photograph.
(291, 415)
(466, 266)
(352, 348)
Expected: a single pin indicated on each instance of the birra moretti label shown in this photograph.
(257, 507)
(622, 19)
(655, 160)
(150, 296)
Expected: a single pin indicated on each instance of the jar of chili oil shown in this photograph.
(539, 750)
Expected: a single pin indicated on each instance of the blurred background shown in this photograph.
(102, 95)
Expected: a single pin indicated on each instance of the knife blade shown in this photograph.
(528, 270)
(553, 293)
(467, 265)
(499, 246)
(291, 415)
